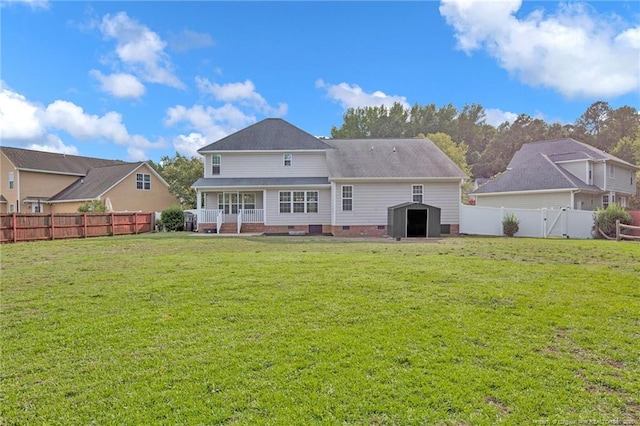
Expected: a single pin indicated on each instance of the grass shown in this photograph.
(177, 329)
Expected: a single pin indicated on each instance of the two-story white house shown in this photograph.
(561, 173)
(272, 177)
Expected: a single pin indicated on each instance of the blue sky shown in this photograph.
(139, 80)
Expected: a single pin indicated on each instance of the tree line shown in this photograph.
(488, 149)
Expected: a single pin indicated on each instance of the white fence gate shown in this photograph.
(475, 220)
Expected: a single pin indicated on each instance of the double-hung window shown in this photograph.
(298, 201)
(288, 160)
(417, 193)
(11, 178)
(605, 201)
(215, 164)
(143, 181)
(612, 172)
(347, 198)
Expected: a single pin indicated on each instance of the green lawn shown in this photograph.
(180, 329)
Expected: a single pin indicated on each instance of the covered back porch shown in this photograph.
(228, 211)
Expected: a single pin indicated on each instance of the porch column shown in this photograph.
(264, 206)
(198, 199)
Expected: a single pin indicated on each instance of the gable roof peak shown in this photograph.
(270, 134)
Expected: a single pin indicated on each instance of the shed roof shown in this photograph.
(271, 134)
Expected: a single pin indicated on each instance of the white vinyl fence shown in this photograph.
(543, 223)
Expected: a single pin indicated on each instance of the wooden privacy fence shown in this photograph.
(16, 227)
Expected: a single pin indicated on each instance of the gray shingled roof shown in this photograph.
(259, 182)
(561, 150)
(52, 162)
(269, 134)
(537, 173)
(389, 158)
(97, 181)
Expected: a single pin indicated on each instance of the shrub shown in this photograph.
(510, 224)
(172, 219)
(95, 206)
(605, 219)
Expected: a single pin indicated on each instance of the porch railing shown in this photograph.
(252, 215)
(208, 215)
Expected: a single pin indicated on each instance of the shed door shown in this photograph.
(417, 223)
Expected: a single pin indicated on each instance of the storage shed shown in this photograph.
(413, 220)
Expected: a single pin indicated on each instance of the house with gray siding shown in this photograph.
(562, 173)
(273, 177)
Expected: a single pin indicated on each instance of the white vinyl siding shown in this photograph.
(579, 169)
(599, 175)
(526, 201)
(585, 201)
(620, 182)
(274, 217)
(269, 164)
(371, 201)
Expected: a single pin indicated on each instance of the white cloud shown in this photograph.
(52, 143)
(190, 144)
(36, 126)
(140, 50)
(574, 51)
(208, 123)
(19, 118)
(188, 40)
(242, 92)
(496, 117)
(352, 96)
(120, 85)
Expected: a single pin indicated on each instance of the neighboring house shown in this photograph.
(560, 173)
(44, 182)
(275, 178)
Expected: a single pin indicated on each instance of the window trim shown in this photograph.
(344, 198)
(11, 180)
(420, 194)
(216, 164)
(143, 181)
(287, 158)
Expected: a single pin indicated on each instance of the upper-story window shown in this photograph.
(11, 180)
(143, 181)
(631, 178)
(215, 164)
(612, 173)
(417, 191)
(590, 177)
(288, 159)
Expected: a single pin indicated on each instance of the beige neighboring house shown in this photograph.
(44, 182)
